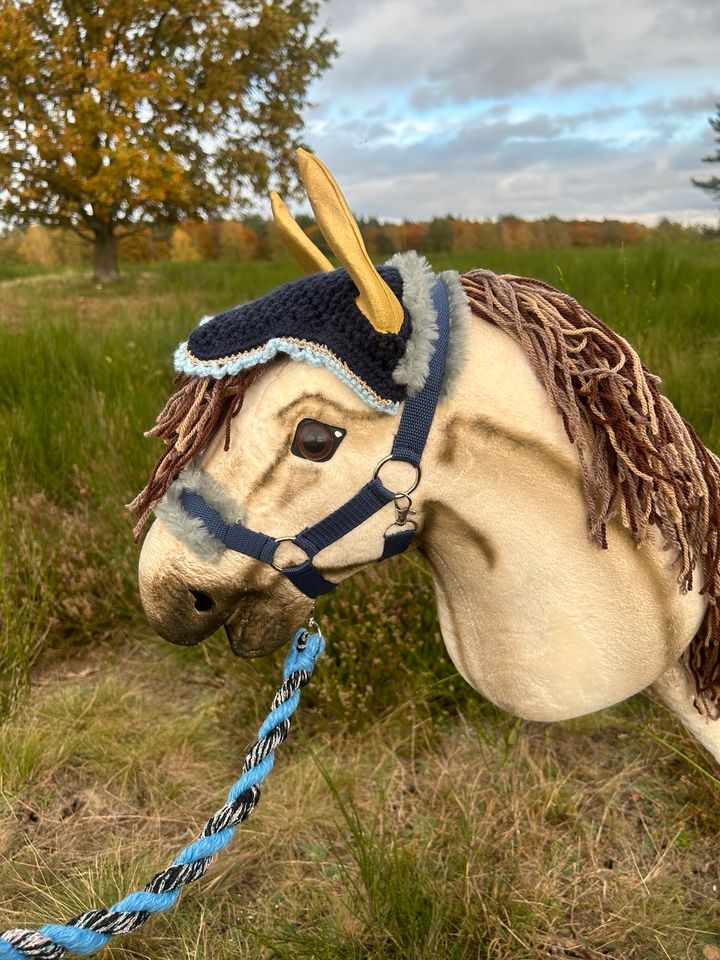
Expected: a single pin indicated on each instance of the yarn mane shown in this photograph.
(639, 460)
(187, 423)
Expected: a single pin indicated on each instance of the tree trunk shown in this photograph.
(106, 258)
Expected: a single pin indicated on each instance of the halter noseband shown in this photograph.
(408, 447)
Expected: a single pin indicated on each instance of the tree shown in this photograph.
(236, 242)
(36, 247)
(515, 233)
(182, 246)
(119, 113)
(712, 184)
(438, 235)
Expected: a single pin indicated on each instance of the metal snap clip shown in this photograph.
(403, 509)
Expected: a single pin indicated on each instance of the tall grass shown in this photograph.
(409, 818)
(84, 370)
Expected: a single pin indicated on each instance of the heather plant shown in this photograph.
(407, 818)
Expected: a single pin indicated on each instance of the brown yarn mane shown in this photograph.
(639, 459)
(187, 423)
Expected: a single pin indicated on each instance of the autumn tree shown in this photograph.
(712, 184)
(119, 113)
(236, 242)
(438, 235)
(36, 247)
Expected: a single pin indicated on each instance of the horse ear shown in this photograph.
(298, 243)
(376, 300)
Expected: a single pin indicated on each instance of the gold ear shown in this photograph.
(376, 300)
(298, 243)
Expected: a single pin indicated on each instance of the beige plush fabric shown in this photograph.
(534, 615)
(640, 461)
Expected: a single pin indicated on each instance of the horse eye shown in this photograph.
(316, 441)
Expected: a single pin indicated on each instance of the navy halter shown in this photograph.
(408, 447)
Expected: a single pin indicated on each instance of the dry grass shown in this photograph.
(419, 836)
(406, 818)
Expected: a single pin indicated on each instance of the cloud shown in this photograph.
(530, 169)
(468, 50)
(577, 107)
(687, 18)
(681, 106)
(495, 60)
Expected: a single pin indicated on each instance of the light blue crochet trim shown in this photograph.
(313, 354)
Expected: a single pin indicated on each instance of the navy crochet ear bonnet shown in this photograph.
(316, 319)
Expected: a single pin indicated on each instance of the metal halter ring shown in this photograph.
(278, 541)
(416, 467)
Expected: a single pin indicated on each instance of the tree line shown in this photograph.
(118, 116)
(254, 238)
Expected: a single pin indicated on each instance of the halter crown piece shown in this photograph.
(383, 331)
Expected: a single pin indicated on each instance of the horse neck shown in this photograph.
(497, 441)
(496, 401)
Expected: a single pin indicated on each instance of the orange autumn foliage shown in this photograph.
(120, 113)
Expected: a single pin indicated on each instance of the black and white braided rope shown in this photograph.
(90, 931)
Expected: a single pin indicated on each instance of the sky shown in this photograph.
(575, 108)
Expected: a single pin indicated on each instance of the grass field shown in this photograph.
(406, 818)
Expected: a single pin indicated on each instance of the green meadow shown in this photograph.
(406, 817)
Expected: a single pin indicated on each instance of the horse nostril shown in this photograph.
(203, 602)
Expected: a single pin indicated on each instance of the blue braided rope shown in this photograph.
(90, 931)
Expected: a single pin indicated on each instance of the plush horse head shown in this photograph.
(570, 518)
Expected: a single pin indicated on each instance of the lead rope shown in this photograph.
(90, 931)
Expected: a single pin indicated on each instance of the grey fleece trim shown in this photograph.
(189, 530)
(417, 277)
(460, 316)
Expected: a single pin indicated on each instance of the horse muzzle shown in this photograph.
(186, 600)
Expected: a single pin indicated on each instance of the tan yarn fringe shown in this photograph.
(638, 457)
(187, 423)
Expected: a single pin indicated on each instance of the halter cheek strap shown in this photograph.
(408, 447)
